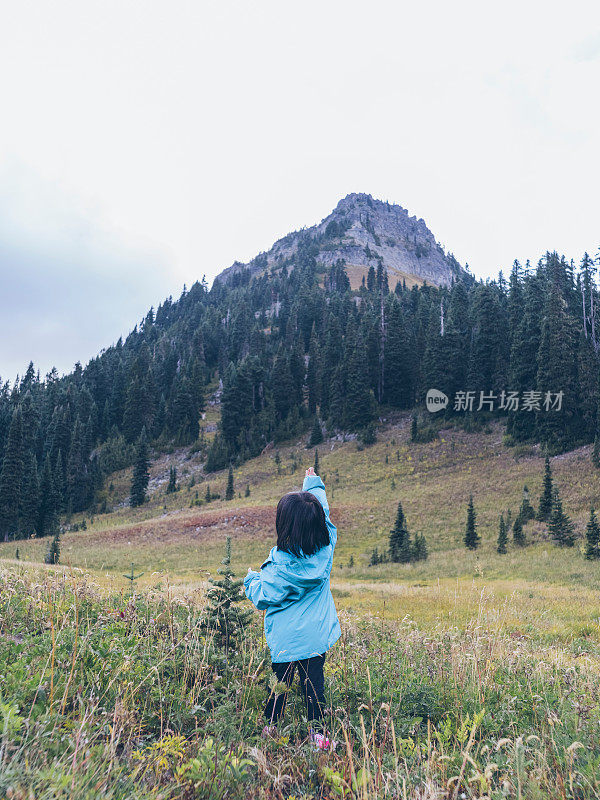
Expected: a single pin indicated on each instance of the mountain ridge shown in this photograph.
(362, 232)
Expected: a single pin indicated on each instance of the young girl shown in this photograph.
(301, 622)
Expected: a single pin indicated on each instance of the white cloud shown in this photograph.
(198, 133)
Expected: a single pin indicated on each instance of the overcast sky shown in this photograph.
(144, 144)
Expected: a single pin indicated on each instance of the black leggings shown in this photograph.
(312, 683)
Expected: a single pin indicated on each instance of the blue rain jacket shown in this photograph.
(300, 620)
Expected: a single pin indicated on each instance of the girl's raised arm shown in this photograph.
(314, 485)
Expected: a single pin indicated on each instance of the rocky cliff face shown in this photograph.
(361, 232)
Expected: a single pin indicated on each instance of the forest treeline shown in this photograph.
(292, 346)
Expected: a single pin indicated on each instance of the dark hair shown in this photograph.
(300, 524)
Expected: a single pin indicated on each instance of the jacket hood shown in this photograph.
(304, 572)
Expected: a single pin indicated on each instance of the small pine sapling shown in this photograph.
(223, 618)
(132, 577)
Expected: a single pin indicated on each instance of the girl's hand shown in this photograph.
(310, 473)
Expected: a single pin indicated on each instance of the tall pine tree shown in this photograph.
(472, 538)
(560, 526)
(49, 509)
(358, 400)
(30, 498)
(398, 536)
(11, 476)
(518, 533)
(502, 536)
(547, 496)
(141, 476)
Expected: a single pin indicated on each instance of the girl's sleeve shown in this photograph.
(315, 485)
(268, 588)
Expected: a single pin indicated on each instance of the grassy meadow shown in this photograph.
(470, 674)
(172, 539)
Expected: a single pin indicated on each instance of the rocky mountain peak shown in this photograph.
(362, 232)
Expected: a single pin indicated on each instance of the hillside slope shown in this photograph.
(180, 538)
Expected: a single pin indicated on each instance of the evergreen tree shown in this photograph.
(414, 429)
(218, 454)
(371, 279)
(375, 558)
(316, 436)
(596, 447)
(282, 383)
(224, 619)
(30, 498)
(502, 536)
(30, 421)
(336, 400)
(77, 478)
(472, 538)
(11, 477)
(139, 402)
(515, 298)
(313, 374)
(236, 404)
(184, 411)
(560, 526)
(53, 551)
(247, 492)
(330, 377)
(316, 464)
(172, 485)
(49, 503)
(58, 438)
(596, 451)
(547, 496)
(398, 388)
(488, 362)
(229, 491)
(357, 401)
(557, 362)
(526, 512)
(59, 483)
(523, 360)
(420, 552)
(407, 551)
(518, 533)
(208, 495)
(383, 280)
(398, 535)
(141, 476)
(592, 536)
(132, 577)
